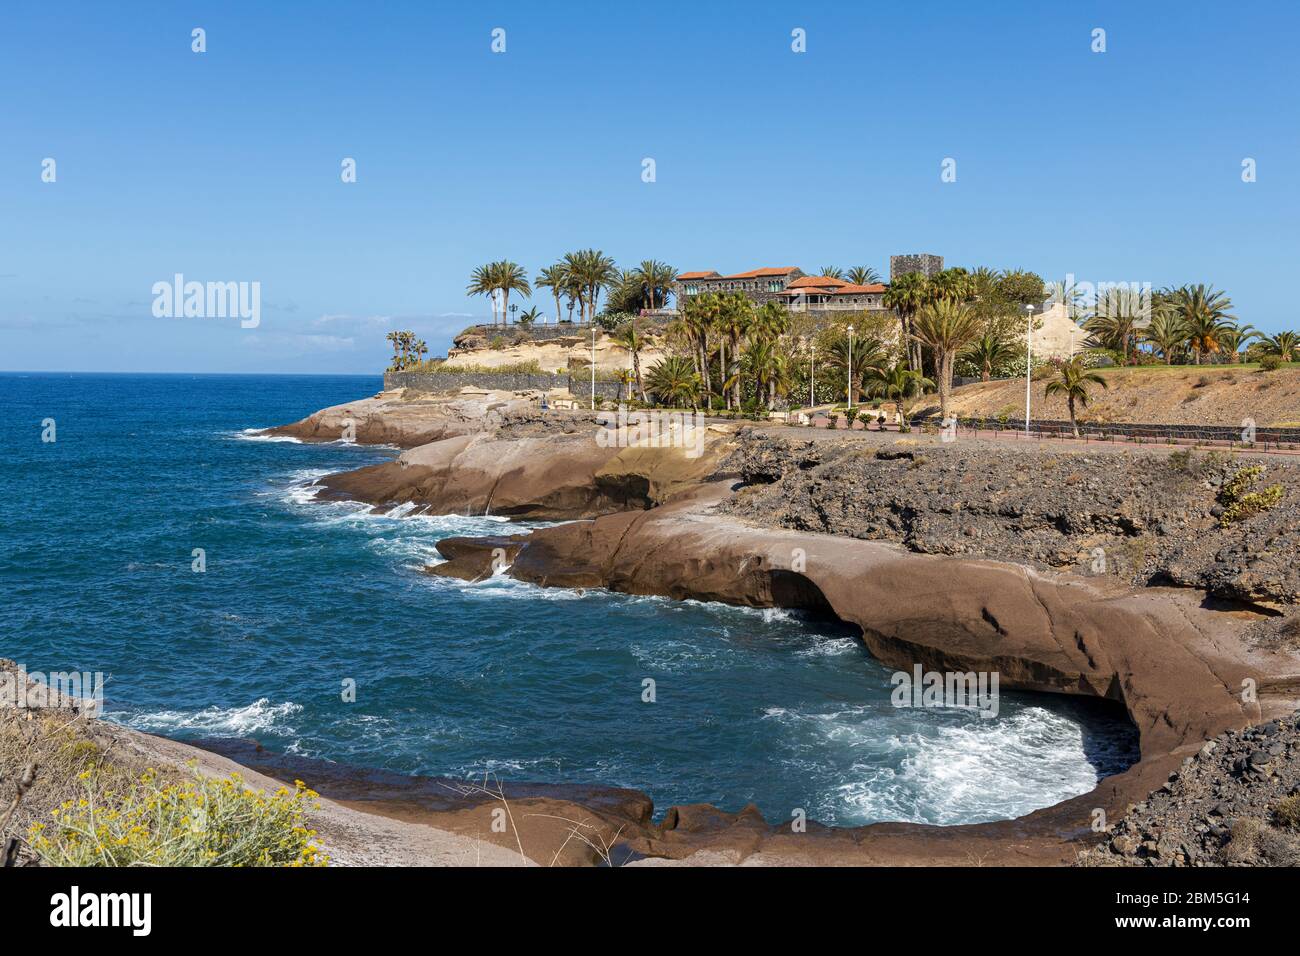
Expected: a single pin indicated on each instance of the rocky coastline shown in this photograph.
(960, 559)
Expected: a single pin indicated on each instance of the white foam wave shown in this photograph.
(500, 586)
(964, 770)
(257, 717)
(823, 646)
(259, 434)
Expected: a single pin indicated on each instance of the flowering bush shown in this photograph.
(197, 822)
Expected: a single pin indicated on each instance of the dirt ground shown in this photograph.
(1184, 395)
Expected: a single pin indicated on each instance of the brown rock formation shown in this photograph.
(1177, 668)
(557, 478)
(1176, 665)
(395, 418)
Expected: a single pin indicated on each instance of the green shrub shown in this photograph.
(1270, 363)
(198, 822)
(1240, 502)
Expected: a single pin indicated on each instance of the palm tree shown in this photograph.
(988, 351)
(831, 272)
(408, 351)
(656, 278)
(735, 315)
(947, 327)
(769, 366)
(594, 271)
(771, 321)
(1233, 338)
(867, 358)
(699, 315)
(510, 277)
(529, 316)
(482, 281)
(905, 296)
(573, 293)
(864, 275)
(762, 364)
(1120, 314)
(555, 278)
(674, 381)
(1072, 382)
(1205, 313)
(1067, 293)
(1285, 345)
(629, 338)
(984, 282)
(896, 383)
(951, 285)
(1167, 332)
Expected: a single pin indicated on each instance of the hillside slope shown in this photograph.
(1210, 395)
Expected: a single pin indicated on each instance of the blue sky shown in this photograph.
(224, 166)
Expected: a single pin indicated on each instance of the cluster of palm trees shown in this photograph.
(729, 351)
(740, 354)
(914, 294)
(497, 280)
(408, 351)
(731, 343)
(1191, 324)
(577, 279)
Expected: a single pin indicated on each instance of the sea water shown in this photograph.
(297, 598)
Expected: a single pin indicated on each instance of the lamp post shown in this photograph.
(593, 366)
(812, 373)
(849, 383)
(1029, 362)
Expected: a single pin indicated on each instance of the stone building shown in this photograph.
(922, 262)
(789, 285)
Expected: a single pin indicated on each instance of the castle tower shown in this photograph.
(921, 262)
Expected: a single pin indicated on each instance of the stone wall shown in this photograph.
(578, 385)
(454, 382)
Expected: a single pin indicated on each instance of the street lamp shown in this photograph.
(593, 366)
(849, 384)
(812, 373)
(1029, 362)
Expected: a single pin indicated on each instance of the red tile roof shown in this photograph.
(698, 275)
(850, 289)
(757, 273)
(816, 282)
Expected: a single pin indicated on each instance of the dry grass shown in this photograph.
(1287, 812)
(1240, 847)
(598, 836)
(58, 746)
(1219, 395)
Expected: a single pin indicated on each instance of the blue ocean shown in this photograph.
(297, 598)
